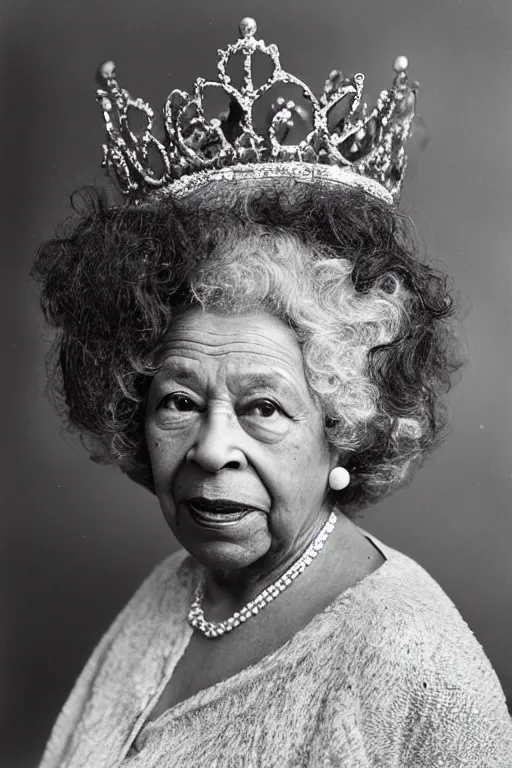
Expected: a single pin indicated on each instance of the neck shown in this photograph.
(228, 591)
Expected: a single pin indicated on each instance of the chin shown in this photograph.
(233, 548)
(228, 555)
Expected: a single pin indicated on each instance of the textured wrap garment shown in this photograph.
(388, 675)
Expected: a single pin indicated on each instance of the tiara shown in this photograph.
(361, 149)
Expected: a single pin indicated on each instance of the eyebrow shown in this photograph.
(262, 380)
(178, 372)
(255, 379)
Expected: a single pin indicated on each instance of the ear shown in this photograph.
(337, 458)
(334, 457)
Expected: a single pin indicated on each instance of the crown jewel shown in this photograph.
(361, 148)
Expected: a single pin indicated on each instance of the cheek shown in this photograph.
(164, 465)
(165, 456)
(295, 462)
(302, 466)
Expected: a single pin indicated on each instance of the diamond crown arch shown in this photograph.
(363, 147)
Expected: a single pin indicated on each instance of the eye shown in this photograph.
(177, 402)
(264, 408)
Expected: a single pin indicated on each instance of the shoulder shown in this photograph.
(406, 614)
(174, 571)
(161, 600)
(403, 602)
(152, 619)
(164, 591)
(418, 668)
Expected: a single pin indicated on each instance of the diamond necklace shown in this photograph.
(216, 628)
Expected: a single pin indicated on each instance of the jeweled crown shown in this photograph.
(361, 148)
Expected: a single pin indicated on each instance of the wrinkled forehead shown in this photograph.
(257, 348)
(255, 336)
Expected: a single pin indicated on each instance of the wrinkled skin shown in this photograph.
(230, 416)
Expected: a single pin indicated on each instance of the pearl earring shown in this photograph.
(339, 478)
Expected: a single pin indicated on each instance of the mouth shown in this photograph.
(218, 512)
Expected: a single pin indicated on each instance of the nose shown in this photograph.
(216, 447)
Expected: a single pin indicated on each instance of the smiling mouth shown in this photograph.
(218, 511)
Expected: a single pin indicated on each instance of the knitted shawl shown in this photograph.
(388, 675)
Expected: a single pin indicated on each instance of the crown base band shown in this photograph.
(296, 171)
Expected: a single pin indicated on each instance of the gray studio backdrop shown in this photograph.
(79, 538)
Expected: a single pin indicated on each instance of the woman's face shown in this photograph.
(236, 442)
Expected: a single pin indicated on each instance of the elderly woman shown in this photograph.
(261, 348)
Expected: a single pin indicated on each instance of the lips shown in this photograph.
(218, 511)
